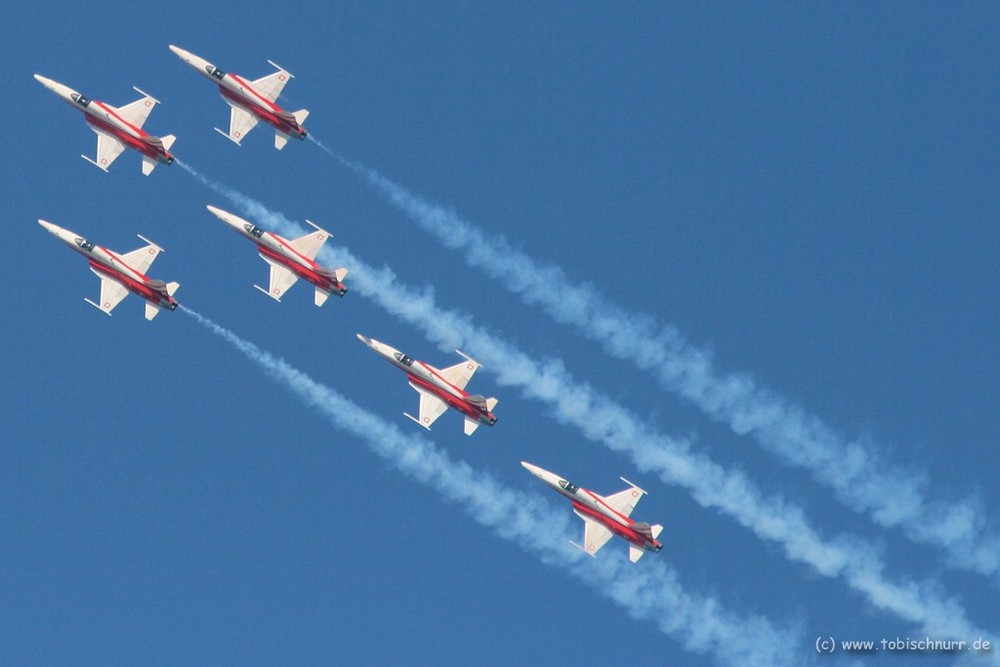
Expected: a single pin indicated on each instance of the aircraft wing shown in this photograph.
(282, 278)
(270, 86)
(625, 501)
(431, 407)
(108, 150)
(460, 374)
(241, 122)
(137, 112)
(595, 536)
(112, 293)
(142, 258)
(309, 244)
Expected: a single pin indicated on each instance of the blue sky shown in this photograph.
(806, 194)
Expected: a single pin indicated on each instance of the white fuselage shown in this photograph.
(105, 118)
(238, 91)
(414, 368)
(578, 495)
(98, 255)
(273, 247)
(594, 507)
(107, 263)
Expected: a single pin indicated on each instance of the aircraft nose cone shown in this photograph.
(49, 227)
(533, 469)
(365, 339)
(59, 89)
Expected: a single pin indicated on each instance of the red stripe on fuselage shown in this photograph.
(306, 272)
(114, 113)
(132, 285)
(268, 114)
(463, 406)
(132, 142)
(623, 531)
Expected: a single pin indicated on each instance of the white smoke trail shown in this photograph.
(649, 593)
(602, 420)
(858, 472)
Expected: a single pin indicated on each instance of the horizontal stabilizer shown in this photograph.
(634, 553)
(650, 532)
(482, 402)
(656, 529)
(301, 115)
(321, 296)
(152, 310)
(280, 139)
(168, 141)
(167, 289)
(336, 274)
(470, 426)
(148, 165)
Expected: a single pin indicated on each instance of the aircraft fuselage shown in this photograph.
(428, 378)
(595, 507)
(109, 264)
(104, 118)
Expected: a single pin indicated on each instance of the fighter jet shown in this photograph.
(440, 389)
(251, 101)
(604, 517)
(290, 260)
(117, 128)
(121, 274)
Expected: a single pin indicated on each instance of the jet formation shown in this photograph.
(293, 259)
(121, 273)
(117, 128)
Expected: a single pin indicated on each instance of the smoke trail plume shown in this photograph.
(602, 420)
(650, 593)
(857, 472)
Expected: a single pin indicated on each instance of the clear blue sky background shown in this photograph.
(810, 191)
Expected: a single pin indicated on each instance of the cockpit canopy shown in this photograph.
(84, 243)
(215, 72)
(80, 99)
(568, 487)
(253, 231)
(403, 359)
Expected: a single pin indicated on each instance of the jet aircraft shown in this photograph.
(117, 128)
(251, 101)
(290, 259)
(121, 273)
(440, 389)
(604, 517)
